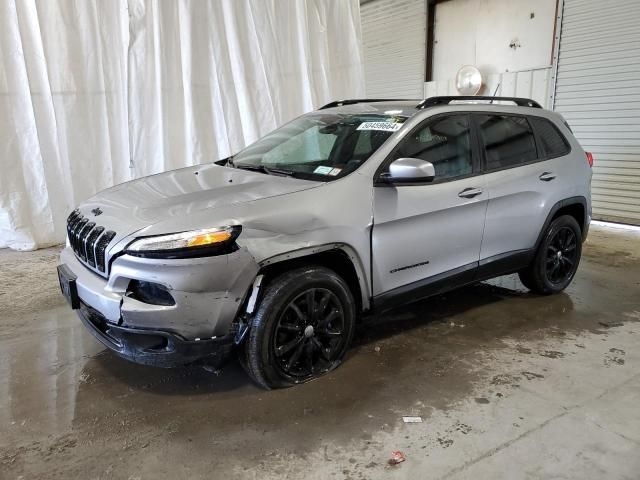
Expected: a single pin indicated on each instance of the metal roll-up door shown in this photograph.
(598, 92)
(393, 37)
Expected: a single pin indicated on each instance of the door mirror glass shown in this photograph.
(409, 170)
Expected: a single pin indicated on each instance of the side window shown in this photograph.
(445, 142)
(552, 141)
(508, 140)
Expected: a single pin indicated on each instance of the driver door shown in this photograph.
(427, 238)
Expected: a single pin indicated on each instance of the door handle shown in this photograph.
(470, 192)
(546, 176)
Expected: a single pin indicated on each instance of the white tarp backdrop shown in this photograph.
(94, 93)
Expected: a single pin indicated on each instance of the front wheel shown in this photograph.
(557, 258)
(302, 328)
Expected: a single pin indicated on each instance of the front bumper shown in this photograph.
(154, 347)
(208, 294)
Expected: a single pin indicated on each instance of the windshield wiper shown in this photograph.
(253, 168)
(280, 171)
(267, 170)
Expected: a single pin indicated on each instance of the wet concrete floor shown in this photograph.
(508, 385)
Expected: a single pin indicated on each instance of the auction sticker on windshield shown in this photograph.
(322, 170)
(383, 126)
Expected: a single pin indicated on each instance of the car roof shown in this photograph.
(409, 108)
(404, 108)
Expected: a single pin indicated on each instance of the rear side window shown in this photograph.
(508, 140)
(552, 141)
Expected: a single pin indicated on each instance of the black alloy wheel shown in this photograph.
(301, 329)
(309, 333)
(557, 258)
(561, 255)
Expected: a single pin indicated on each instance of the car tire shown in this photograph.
(557, 258)
(301, 329)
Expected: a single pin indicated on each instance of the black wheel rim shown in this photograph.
(309, 334)
(562, 255)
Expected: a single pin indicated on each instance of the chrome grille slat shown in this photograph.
(73, 219)
(72, 224)
(76, 234)
(101, 248)
(74, 228)
(84, 235)
(91, 245)
(89, 241)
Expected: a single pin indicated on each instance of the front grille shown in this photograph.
(88, 240)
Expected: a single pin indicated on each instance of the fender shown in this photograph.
(242, 321)
(353, 257)
(561, 204)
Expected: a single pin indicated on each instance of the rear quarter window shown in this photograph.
(508, 140)
(552, 142)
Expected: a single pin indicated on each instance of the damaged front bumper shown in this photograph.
(198, 323)
(155, 347)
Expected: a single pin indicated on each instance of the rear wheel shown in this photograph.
(302, 328)
(556, 259)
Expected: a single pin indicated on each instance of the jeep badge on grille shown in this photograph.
(96, 211)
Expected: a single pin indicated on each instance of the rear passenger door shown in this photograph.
(523, 177)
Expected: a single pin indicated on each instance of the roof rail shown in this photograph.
(437, 101)
(353, 101)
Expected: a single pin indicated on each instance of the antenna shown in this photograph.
(495, 91)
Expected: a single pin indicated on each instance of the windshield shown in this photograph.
(319, 146)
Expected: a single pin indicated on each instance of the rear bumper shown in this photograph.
(154, 347)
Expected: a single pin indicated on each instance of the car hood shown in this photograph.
(131, 206)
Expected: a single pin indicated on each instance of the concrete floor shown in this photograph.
(509, 385)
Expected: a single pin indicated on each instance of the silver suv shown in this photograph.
(277, 251)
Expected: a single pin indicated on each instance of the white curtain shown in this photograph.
(94, 93)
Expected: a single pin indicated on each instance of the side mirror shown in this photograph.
(409, 170)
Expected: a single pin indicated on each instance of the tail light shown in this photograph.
(590, 158)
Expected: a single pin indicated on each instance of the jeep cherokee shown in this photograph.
(354, 208)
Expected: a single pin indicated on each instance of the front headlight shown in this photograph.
(195, 243)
